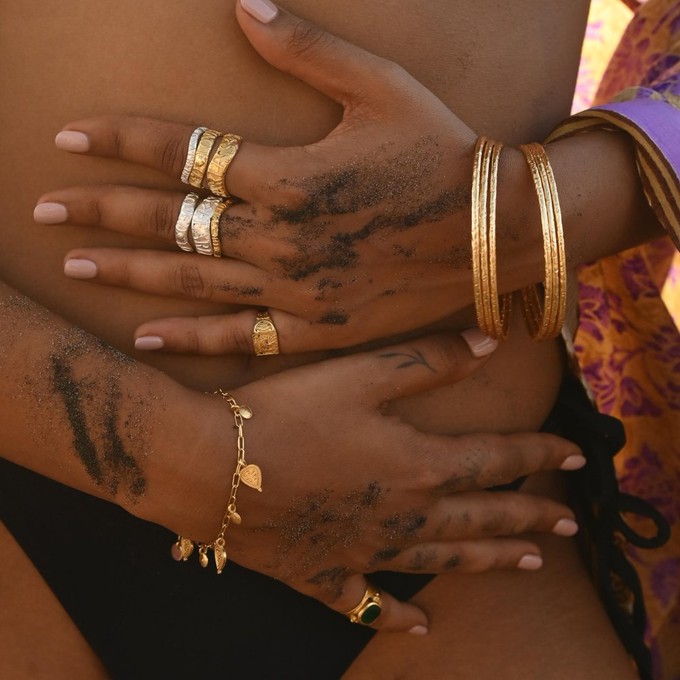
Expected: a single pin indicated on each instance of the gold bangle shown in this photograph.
(545, 321)
(219, 165)
(493, 317)
(248, 473)
(202, 157)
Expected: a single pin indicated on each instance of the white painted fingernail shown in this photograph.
(262, 10)
(80, 269)
(530, 562)
(50, 213)
(480, 345)
(149, 342)
(573, 463)
(418, 630)
(565, 527)
(70, 140)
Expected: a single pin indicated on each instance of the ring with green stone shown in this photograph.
(369, 609)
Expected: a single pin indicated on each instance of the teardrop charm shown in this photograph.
(203, 557)
(251, 476)
(234, 517)
(245, 412)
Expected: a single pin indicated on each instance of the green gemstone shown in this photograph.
(370, 613)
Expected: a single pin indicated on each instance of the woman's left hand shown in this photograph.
(362, 235)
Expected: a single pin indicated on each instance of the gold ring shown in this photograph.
(201, 157)
(369, 609)
(215, 227)
(218, 166)
(265, 337)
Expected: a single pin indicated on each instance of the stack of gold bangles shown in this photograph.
(545, 320)
(210, 153)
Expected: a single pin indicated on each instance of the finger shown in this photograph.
(150, 214)
(164, 146)
(419, 365)
(331, 65)
(480, 461)
(497, 513)
(173, 274)
(469, 557)
(345, 595)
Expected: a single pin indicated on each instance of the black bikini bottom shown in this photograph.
(145, 619)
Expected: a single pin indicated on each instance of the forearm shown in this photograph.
(77, 411)
(603, 207)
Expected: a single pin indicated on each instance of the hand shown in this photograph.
(348, 490)
(361, 235)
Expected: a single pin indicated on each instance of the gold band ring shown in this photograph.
(216, 174)
(201, 157)
(369, 609)
(265, 337)
(215, 226)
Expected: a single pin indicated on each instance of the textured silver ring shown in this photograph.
(191, 154)
(200, 225)
(183, 224)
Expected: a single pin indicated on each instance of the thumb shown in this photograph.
(329, 64)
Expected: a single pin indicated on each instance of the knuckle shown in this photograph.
(235, 337)
(160, 220)
(306, 38)
(188, 280)
(170, 154)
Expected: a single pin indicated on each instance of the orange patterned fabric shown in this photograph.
(627, 342)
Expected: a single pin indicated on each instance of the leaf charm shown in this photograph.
(220, 557)
(251, 476)
(186, 547)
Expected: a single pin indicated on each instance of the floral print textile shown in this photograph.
(627, 342)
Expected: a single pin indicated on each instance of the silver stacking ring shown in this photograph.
(183, 223)
(200, 225)
(191, 154)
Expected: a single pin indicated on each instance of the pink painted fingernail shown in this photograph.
(530, 562)
(262, 10)
(50, 213)
(480, 345)
(418, 630)
(573, 463)
(80, 269)
(70, 140)
(149, 342)
(565, 527)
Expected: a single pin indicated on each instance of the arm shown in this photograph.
(406, 241)
(79, 412)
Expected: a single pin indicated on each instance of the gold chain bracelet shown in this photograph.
(248, 473)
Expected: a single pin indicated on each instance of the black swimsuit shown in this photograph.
(146, 617)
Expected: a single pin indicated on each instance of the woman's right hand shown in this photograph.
(348, 490)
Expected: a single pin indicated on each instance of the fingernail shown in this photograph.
(530, 562)
(148, 342)
(80, 269)
(573, 463)
(50, 213)
(480, 345)
(565, 527)
(418, 630)
(69, 140)
(262, 10)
